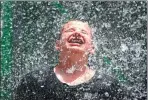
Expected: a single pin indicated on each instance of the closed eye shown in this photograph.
(84, 32)
(70, 30)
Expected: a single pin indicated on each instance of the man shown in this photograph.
(72, 78)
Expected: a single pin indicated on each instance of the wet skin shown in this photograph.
(76, 36)
(75, 45)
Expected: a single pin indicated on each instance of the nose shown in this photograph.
(77, 32)
(76, 35)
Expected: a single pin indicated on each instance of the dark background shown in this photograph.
(119, 37)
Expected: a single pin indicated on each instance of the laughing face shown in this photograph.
(75, 36)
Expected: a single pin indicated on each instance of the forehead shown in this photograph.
(77, 24)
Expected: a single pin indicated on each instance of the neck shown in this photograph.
(73, 61)
(71, 66)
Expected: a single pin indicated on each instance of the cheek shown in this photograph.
(88, 44)
(88, 40)
(65, 36)
(64, 39)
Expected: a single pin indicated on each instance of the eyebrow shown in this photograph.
(69, 28)
(74, 28)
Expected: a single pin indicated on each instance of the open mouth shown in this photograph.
(77, 40)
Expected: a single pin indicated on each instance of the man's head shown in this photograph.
(75, 36)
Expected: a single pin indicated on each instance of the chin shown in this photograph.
(76, 49)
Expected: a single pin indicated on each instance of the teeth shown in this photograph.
(76, 41)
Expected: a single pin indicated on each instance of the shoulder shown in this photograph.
(33, 84)
(36, 77)
(108, 84)
(39, 74)
(103, 80)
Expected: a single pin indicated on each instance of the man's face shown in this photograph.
(77, 36)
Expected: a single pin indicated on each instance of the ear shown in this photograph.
(57, 46)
